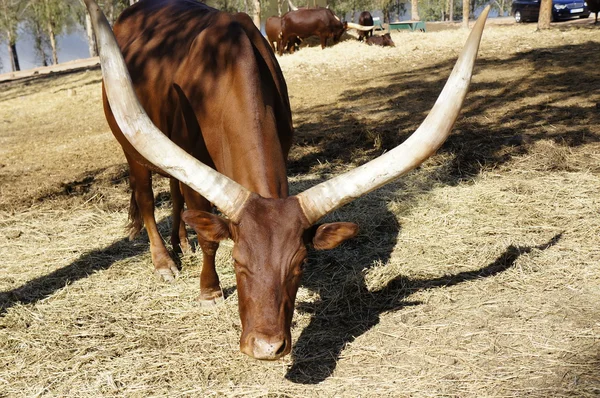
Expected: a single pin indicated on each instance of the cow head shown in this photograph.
(270, 247)
(271, 235)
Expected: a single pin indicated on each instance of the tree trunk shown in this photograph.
(279, 7)
(451, 10)
(12, 52)
(256, 16)
(91, 36)
(414, 10)
(545, 14)
(111, 12)
(39, 44)
(51, 34)
(466, 7)
(52, 37)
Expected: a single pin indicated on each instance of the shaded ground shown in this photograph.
(476, 275)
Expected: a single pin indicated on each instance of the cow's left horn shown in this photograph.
(148, 140)
(352, 25)
(334, 193)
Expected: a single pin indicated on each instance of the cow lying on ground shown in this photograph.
(384, 40)
(215, 116)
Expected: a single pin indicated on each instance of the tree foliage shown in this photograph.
(11, 14)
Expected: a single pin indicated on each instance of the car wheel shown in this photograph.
(518, 17)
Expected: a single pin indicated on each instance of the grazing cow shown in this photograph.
(594, 6)
(384, 40)
(273, 31)
(306, 22)
(365, 19)
(209, 82)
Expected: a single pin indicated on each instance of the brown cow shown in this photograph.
(224, 101)
(307, 22)
(365, 19)
(383, 40)
(273, 31)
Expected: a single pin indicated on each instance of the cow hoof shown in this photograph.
(167, 274)
(210, 302)
(183, 248)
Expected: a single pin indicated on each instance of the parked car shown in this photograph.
(529, 10)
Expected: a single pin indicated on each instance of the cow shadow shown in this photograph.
(343, 136)
(339, 319)
(96, 260)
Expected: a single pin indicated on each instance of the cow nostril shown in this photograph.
(281, 348)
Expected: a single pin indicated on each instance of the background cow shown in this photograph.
(365, 19)
(273, 31)
(384, 40)
(305, 22)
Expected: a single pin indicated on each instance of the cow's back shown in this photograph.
(161, 41)
(306, 22)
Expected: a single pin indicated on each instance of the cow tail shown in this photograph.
(135, 224)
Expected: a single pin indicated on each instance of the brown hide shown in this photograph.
(273, 31)
(365, 19)
(307, 22)
(384, 41)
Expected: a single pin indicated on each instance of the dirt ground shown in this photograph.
(474, 276)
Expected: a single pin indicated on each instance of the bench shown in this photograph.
(407, 25)
(377, 23)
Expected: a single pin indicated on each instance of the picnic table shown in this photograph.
(407, 25)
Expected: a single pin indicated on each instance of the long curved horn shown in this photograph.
(334, 193)
(292, 7)
(352, 25)
(146, 138)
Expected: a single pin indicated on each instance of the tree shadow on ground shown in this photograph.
(501, 118)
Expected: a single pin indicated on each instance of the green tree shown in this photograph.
(12, 12)
(34, 24)
(56, 17)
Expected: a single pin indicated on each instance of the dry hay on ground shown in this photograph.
(476, 275)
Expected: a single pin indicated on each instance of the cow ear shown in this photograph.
(207, 225)
(328, 236)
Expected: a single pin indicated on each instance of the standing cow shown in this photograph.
(365, 19)
(273, 31)
(220, 101)
(307, 22)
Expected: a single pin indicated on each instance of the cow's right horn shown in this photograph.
(334, 193)
(352, 25)
(146, 138)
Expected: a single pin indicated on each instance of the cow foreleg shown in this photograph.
(323, 42)
(179, 239)
(210, 287)
(141, 183)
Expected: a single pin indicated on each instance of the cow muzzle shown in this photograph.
(265, 347)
